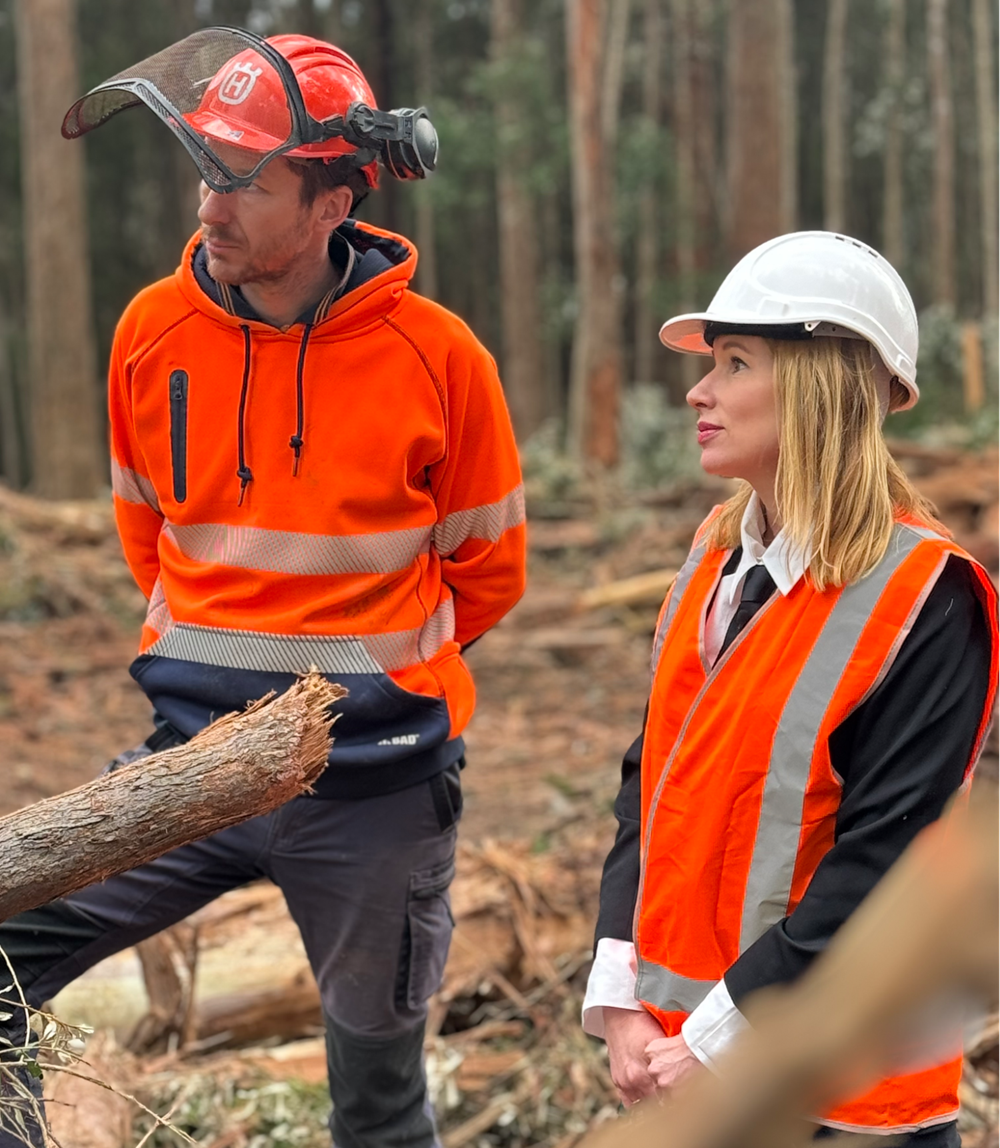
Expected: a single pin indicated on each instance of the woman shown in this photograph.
(822, 680)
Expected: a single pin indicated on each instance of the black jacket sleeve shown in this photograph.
(620, 879)
(901, 755)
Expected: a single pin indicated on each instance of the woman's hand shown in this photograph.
(670, 1061)
(628, 1033)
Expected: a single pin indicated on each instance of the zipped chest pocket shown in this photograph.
(178, 432)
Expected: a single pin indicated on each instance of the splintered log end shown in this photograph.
(287, 737)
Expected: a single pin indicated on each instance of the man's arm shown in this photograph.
(137, 511)
(480, 531)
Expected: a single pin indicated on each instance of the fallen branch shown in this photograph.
(241, 766)
(642, 589)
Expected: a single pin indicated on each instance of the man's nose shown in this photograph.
(214, 208)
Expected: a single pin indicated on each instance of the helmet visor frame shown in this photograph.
(175, 84)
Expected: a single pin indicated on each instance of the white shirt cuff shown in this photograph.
(713, 1026)
(611, 983)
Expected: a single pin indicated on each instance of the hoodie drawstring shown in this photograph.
(295, 442)
(243, 473)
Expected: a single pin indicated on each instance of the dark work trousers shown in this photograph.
(366, 882)
(940, 1136)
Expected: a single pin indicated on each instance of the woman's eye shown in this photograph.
(737, 362)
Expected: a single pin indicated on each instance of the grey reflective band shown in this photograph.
(684, 576)
(132, 487)
(669, 991)
(289, 552)
(776, 847)
(294, 654)
(769, 884)
(484, 522)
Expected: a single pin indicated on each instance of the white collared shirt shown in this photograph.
(716, 1021)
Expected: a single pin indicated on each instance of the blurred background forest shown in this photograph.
(603, 163)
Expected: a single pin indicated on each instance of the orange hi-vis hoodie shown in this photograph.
(344, 494)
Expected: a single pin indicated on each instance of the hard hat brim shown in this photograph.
(686, 333)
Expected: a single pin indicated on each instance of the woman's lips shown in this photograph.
(707, 431)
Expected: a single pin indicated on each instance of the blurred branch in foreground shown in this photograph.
(926, 936)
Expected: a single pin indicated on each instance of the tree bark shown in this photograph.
(834, 116)
(423, 36)
(647, 246)
(243, 765)
(760, 122)
(67, 453)
(943, 120)
(596, 371)
(522, 360)
(986, 115)
(892, 204)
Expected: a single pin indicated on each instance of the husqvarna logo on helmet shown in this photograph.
(238, 83)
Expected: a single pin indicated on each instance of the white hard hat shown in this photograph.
(813, 283)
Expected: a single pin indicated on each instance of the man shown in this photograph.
(312, 466)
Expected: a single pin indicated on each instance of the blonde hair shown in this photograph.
(837, 488)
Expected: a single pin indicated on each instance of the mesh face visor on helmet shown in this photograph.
(233, 101)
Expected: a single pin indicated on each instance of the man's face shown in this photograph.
(257, 234)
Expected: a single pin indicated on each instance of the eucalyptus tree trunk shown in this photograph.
(760, 124)
(943, 120)
(892, 164)
(646, 343)
(834, 118)
(596, 370)
(522, 362)
(67, 455)
(423, 36)
(986, 114)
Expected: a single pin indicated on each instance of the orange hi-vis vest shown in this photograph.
(379, 529)
(739, 798)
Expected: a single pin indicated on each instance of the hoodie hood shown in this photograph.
(377, 268)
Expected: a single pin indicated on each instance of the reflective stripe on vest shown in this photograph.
(487, 522)
(280, 653)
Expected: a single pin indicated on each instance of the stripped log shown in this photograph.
(241, 766)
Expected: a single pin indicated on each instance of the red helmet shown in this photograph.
(245, 104)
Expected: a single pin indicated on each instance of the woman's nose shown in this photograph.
(700, 395)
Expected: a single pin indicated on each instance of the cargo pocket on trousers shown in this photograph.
(427, 935)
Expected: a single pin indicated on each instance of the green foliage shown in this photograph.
(658, 440)
(270, 1113)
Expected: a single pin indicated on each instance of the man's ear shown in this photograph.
(335, 206)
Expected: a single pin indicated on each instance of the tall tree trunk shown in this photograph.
(423, 35)
(522, 360)
(596, 371)
(619, 12)
(895, 70)
(686, 128)
(381, 75)
(11, 461)
(647, 245)
(986, 114)
(760, 149)
(67, 455)
(834, 118)
(943, 120)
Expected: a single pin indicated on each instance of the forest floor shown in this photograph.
(562, 683)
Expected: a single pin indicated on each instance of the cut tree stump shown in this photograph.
(241, 766)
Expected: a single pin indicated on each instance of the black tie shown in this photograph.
(757, 588)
